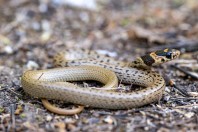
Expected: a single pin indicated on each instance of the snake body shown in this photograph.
(89, 65)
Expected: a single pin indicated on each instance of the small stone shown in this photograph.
(49, 118)
(36, 26)
(69, 120)
(85, 17)
(43, 8)
(109, 120)
(45, 36)
(8, 49)
(46, 25)
(32, 65)
(105, 52)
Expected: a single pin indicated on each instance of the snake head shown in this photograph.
(162, 56)
(159, 57)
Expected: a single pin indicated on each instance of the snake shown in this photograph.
(81, 65)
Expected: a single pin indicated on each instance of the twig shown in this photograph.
(189, 46)
(186, 72)
(14, 92)
(180, 98)
(12, 110)
(172, 83)
(181, 91)
(187, 106)
(2, 89)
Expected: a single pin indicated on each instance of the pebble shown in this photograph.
(109, 120)
(49, 118)
(32, 65)
(8, 49)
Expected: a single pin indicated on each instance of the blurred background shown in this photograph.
(98, 24)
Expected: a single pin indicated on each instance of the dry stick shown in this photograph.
(186, 72)
(181, 91)
(12, 110)
(12, 91)
(184, 98)
(187, 106)
(171, 83)
(189, 46)
(174, 85)
(2, 89)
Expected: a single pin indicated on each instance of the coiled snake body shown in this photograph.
(88, 65)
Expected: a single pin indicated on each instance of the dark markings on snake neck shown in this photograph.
(148, 60)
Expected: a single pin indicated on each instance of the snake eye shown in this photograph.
(162, 60)
(169, 55)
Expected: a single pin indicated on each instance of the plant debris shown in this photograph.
(32, 32)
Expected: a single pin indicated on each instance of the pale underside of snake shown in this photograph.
(80, 65)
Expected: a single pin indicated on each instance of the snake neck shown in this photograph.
(139, 63)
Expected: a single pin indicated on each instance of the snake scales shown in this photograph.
(89, 65)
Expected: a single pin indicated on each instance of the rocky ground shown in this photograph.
(32, 32)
